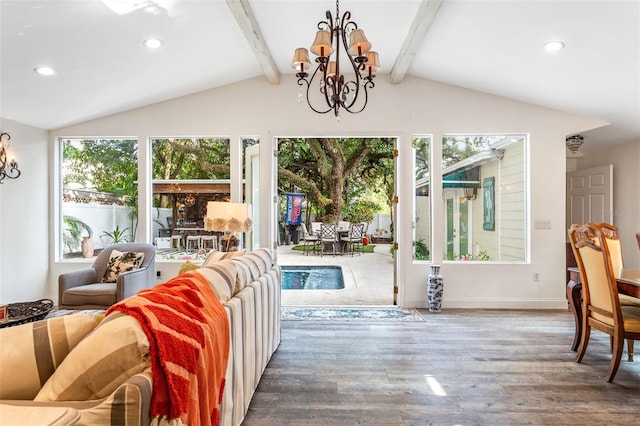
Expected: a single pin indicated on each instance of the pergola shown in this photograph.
(179, 189)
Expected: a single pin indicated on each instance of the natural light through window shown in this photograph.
(435, 386)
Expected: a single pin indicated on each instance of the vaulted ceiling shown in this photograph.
(496, 47)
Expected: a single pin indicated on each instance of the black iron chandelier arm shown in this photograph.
(366, 99)
(302, 81)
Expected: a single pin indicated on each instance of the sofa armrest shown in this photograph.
(131, 282)
(29, 415)
(128, 405)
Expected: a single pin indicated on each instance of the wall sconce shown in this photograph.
(229, 218)
(7, 169)
(470, 193)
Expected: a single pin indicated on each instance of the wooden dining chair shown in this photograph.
(611, 238)
(600, 302)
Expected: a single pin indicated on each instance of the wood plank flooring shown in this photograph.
(458, 367)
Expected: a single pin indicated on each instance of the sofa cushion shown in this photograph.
(216, 256)
(251, 266)
(120, 262)
(31, 352)
(222, 278)
(116, 350)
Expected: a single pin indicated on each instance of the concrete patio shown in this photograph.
(368, 278)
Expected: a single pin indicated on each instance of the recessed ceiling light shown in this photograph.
(153, 43)
(44, 71)
(553, 46)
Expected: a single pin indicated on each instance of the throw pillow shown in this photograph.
(120, 262)
(30, 353)
(116, 350)
(188, 266)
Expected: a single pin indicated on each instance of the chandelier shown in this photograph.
(337, 90)
(7, 169)
(189, 200)
(574, 143)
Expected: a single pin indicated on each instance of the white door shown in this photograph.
(252, 185)
(590, 195)
(457, 225)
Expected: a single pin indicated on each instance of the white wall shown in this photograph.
(24, 218)
(416, 106)
(626, 193)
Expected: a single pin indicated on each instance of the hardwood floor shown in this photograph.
(458, 367)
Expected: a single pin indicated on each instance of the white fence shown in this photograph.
(106, 218)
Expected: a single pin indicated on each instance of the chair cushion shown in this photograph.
(31, 352)
(102, 294)
(120, 262)
(116, 350)
(631, 317)
(629, 300)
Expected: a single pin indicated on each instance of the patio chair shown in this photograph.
(315, 228)
(353, 240)
(309, 239)
(328, 235)
(343, 224)
(600, 302)
(119, 271)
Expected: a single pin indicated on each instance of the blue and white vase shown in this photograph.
(435, 288)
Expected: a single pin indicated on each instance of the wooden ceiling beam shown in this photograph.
(417, 32)
(242, 12)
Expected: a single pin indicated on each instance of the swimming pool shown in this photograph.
(312, 278)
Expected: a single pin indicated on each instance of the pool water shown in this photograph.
(312, 278)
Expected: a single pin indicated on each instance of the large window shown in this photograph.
(484, 197)
(422, 209)
(187, 173)
(99, 203)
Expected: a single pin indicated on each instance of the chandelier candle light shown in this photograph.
(8, 167)
(337, 92)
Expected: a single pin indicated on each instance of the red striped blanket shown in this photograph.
(188, 332)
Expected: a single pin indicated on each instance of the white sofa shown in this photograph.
(248, 285)
(254, 321)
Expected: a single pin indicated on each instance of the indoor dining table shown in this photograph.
(628, 283)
